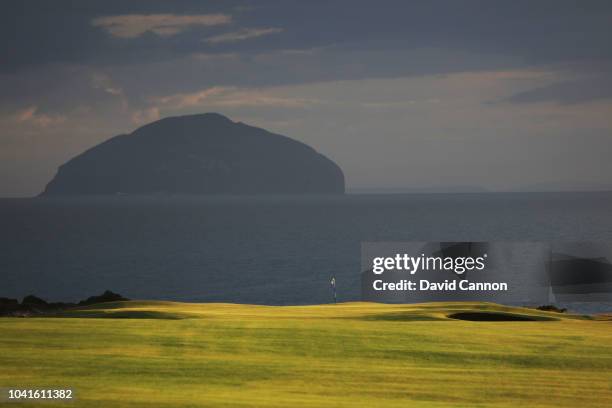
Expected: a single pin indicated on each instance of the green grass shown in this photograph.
(164, 354)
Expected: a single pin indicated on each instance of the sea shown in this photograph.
(276, 250)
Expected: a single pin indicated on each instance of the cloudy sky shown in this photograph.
(502, 95)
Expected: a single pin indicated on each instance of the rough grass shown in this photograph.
(163, 354)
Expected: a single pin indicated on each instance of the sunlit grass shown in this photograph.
(357, 354)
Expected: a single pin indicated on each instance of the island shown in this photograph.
(198, 154)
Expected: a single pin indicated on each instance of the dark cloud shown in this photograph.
(41, 32)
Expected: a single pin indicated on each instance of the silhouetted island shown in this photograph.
(198, 154)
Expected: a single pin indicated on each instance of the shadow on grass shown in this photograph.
(401, 317)
(121, 314)
(498, 317)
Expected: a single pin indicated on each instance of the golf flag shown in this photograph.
(333, 286)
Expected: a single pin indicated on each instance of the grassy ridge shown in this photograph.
(356, 354)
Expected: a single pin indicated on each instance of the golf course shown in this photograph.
(166, 354)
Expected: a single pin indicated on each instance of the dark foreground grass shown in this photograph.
(162, 354)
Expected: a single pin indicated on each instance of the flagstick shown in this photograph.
(333, 285)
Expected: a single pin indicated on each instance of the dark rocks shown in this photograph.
(34, 301)
(34, 306)
(551, 308)
(107, 296)
(7, 304)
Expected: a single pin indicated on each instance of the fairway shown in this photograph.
(165, 354)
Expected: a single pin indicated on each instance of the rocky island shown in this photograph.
(198, 154)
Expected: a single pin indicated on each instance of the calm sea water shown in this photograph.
(270, 250)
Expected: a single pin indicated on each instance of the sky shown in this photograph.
(449, 95)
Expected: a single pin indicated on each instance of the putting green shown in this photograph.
(164, 354)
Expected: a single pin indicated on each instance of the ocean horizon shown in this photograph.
(276, 250)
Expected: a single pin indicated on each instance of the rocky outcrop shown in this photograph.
(198, 154)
